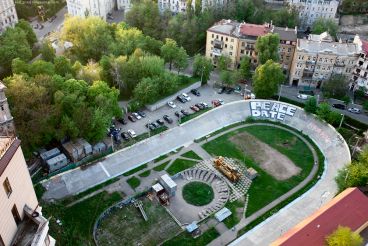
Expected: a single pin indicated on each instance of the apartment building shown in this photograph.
(83, 8)
(318, 57)
(180, 6)
(6, 119)
(8, 14)
(235, 40)
(311, 10)
(21, 220)
(124, 5)
(360, 72)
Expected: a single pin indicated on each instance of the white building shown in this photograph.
(360, 73)
(8, 14)
(124, 5)
(180, 6)
(311, 10)
(85, 8)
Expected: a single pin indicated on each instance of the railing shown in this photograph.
(8, 142)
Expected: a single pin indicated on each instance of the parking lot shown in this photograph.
(208, 93)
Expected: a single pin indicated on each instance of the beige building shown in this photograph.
(319, 57)
(6, 119)
(235, 40)
(21, 220)
(8, 14)
(360, 72)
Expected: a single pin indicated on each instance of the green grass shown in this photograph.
(192, 116)
(137, 169)
(160, 158)
(179, 165)
(192, 155)
(198, 193)
(78, 220)
(233, 219)
(266, 188)
(185, 239)
(134, 182)
(145, 173)
(161, 167)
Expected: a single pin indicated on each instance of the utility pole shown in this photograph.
(342, 119)
(280, 92)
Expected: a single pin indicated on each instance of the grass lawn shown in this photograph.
(266, 188)
(160, 158)
(78, 220)
(193, 115)
(161, 167)
(126, 226)
(179, 165)
(185, 239)
(198, 193)
(137, 169)
(191, 154)
(233, 219)
(134, 182)
(145, 173)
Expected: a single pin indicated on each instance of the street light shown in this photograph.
(281, 85)
(203, 68)
(342, 119)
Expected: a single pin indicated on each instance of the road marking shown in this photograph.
(103, 168)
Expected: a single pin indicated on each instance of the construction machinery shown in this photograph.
(226, 169)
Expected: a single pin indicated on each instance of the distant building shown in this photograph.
(6, 119)
(311, 10)
(180, 6)
(319, 57)
(124, 5)
(348, 209)
(360, 72)
(83, 8)
(21, 220)
(8, 14)
(235, 40)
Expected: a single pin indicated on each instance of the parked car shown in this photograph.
(217, 103)
(150, 126)
(177, 113)
(354, 110)
(238, 89)
(302, 96)
(160, 122)
(181, 99)
(137, 116)
(141, 113)
(185, 95)
(132, 133)
(168, 119)
(204, 104)
(131, 118)
(122, 121)
(339, 106)
(243, 81)
(184, 112)
(229, 90)
(171, 104)
(194, 108)
(125, 136)
(221, 101)
(117, 138)
(195, 92)
(220, 91)
(200, 106)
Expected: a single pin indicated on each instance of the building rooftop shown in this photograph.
(286, 33)
(224, 27)
(365, 46)
(349, 209)
(255, 30)
(317, 45)
(8, 147)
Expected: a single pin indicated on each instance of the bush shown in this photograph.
(134, 182)
(311, 105)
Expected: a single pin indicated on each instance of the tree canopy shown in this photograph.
(267, 47)
(335, 87)
(325, 25)
(267, 78)
(202, 67)
(344, 236)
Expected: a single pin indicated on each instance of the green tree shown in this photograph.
(267, 78)
(169, 51)
(202, 68)
(245, 68)
(344, 236)
(323, 111)
(127, 40)
(267, 47)
(152, 66)
(19, 66)
(325, 25)
(223, 62)
(181, 60)
(63, 66)
(311, 105)
(335, 87)
(41, 67)
(90, 72)
(47, 51)
(198, 7)
(27, 28)
(147, 90)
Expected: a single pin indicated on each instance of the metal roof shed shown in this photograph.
(222, 214)
(50, 154)
(168, 184)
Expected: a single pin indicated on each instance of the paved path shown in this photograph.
(327, 139)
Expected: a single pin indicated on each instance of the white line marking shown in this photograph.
(103, 168)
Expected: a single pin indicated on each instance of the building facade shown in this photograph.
(360, 72)
(319, 57)
(8, 14)
(21, 219)
(180, 6)
(124, 5)
(311, 10)
(83, 8)
(236, 40)
(6, 119)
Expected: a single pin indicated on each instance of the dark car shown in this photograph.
(131, 118)
(150, 126)
(221, 90)
(141, 113)
(117, 138)
(200, 106)
(177, 113)
(168, 119)
(122, 121)
(155, 124)
(229, 90)
(160, 122)
(181, 99)
(125, 136)
(195, 92)
(184, 112)
(339, 106)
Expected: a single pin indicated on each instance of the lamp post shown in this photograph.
(280, 92)
(203, 68)
(342, 119)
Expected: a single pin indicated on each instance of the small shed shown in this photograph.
(71, 152)
(157, 188)
(50, 154)
(192, 227)
(252, 173)
(99, 148)
(169, 184)
(57, 162)
(86, 146)
(222, 214)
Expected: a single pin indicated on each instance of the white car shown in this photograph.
(132, 133)
(171, 104)
(204, 104)
(221, 101)
(137, 116)
(354, 110)
(185, 95)
(302, 96)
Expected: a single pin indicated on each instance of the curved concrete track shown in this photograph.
(327, 139)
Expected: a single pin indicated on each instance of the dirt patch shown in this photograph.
(269, 159)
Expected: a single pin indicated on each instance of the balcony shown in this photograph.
(216, 52)
(310, 62)
(307, 73)
(218, 44)
(339, 64)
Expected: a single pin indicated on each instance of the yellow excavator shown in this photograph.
(230, 172)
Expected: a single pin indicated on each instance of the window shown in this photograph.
(241, 51)
(231, 53)
(213, 35)
(232, 40)
(7, 187)
(16, 216)
(231, 47)
(226, 39)
(1, 241)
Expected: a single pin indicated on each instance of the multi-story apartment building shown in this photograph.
(311, 10)
(180, 6)
(319, 57)
(235, 40)
(124, 5)
(21, 220)
(83, 8)
(8, 14)
(360, 72)
(6, 119)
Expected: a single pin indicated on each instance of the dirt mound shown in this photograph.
(269, 159)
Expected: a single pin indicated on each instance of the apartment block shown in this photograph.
(235, 40)
(311, 10)
(180, 6)
(6, 119)
(318, 57)
(8, 14)
(360, 72)
(83, 8)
